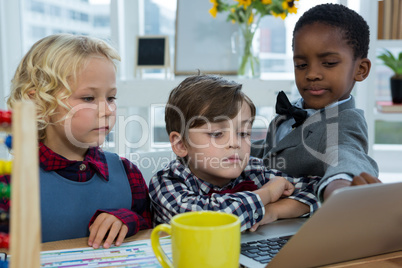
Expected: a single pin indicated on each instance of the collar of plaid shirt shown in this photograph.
(51, 161)
(241, 187)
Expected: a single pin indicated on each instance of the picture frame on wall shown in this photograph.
(202, 42)
(152, 53)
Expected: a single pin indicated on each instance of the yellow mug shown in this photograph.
(200, 239)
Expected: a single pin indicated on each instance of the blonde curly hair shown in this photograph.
(46, 73)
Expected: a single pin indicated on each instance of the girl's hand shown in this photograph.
(106, 224)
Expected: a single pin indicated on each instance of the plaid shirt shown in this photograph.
(175, 190)
(136, 219)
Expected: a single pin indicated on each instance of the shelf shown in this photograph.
(394, 43)
(390, 117)
(369, 11)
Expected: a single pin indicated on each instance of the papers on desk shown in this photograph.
(133, 254)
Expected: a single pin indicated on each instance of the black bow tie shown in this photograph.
(284, 107)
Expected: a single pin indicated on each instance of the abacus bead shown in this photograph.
(6, 241)
(8, 167)
(7, 117)
(3, 240)
(5, 167)
(8, 191)
(4, 264)
(4, 217)
(9, 141)
(4, 117)
(5, 190)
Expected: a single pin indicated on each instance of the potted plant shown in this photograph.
(395, 63)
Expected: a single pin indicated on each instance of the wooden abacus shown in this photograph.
(25, 226)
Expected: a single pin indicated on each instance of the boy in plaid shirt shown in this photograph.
(209, 121)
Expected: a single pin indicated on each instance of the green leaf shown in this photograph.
(394, 63)
(260, 7)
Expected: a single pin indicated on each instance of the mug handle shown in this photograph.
(156, 247)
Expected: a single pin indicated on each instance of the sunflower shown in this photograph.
(244, 3)
(266, 2)
(281, 15)
(214, 10)
(290, 6)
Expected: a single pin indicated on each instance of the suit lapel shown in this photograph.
(291, 140)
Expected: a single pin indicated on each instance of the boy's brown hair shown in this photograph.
(199, 99)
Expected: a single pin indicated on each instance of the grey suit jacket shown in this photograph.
(331, 141)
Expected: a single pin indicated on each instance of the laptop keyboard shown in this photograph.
(264, 250)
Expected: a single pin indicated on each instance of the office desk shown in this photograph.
(390, 260)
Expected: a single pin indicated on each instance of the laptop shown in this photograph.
(355, 222)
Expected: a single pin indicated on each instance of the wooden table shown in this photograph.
(83, 242)
(390, 260)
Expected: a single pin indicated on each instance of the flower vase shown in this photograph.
(245, 43)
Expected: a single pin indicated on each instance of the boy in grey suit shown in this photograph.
(323, 134)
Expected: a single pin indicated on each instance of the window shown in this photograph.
(84, 17)
(38, 32)
(71, 14)
(75, 17)
(263, 117)
(159, 19)
(272, 49)
(54, 11)
(276, 38)
(101, 21)
(159, 136)
(37, 7)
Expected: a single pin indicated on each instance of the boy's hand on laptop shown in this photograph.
(364, 178)
(279, 187)
(275, 189)
(271, 215)
(106, 224)
(284, 208)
